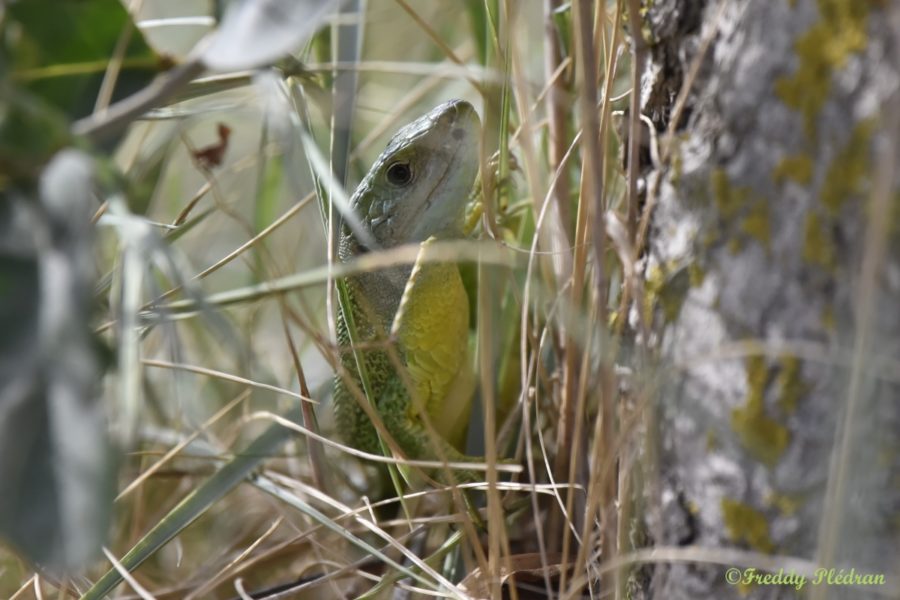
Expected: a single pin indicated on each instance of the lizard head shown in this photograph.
(420, 184)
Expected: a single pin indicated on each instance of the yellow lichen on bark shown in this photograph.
(747, 525)
(796, 167)
(823, 49)
(763, 437)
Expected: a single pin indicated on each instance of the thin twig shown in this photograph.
(99, 126)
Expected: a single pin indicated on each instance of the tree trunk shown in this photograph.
(773, 262)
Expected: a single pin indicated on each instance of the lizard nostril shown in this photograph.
(459, 133)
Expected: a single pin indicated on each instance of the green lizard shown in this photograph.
(416, 191)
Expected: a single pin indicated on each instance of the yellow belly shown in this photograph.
(432, 330)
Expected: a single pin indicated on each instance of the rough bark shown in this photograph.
(780, 431)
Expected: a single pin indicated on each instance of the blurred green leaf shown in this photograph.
(60, 50)
(562, 18)
(30, 132)
(268, 187)
(478, 18)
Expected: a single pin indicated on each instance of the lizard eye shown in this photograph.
(399, 173)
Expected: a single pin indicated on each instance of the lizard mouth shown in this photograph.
(432, 196)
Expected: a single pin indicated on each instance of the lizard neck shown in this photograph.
(375, 295)
(378, 294)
